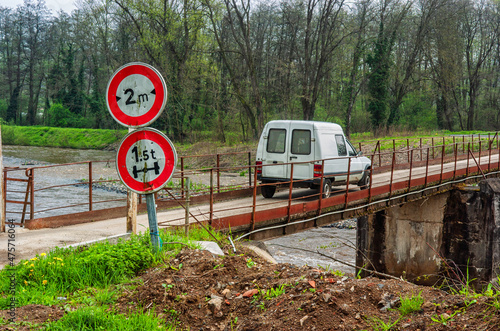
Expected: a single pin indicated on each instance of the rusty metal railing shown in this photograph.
(411, 163)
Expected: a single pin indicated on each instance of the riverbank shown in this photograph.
(43, 136)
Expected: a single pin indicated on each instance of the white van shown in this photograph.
(306, 144)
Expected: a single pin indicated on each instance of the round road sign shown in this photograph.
(136, 95)
(146, 160)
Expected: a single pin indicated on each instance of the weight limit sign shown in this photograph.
(136, 95)
(146, 160)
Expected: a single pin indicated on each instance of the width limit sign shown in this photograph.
(146, 160)
(136, 95)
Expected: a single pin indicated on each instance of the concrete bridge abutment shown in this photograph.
(449, 234)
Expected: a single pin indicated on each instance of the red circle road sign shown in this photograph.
(146, 160)
(136, 95)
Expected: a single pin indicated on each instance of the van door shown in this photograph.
(301, 150)
(339, 166)
(275, 154)
(356, 164)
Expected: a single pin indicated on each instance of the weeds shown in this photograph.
(444, 318)
(379, 325)
(410, 304)
(98, 318)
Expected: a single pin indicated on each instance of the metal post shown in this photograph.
(182, 176)
(421, 156)
(90, 186)
(211, 196)
(392, 174)
(455, 148)
(442, 166)
(249, 169)
(444, 144)
(489, 152)
(463, 144)
(379, 156)
(427, 167)
(432, 144)
(218, 173)
(408, 149)
(480, 150)
(347, 182)
(370, 187)
(32, 195)
(468, 156)
(153, 222)
(411, 167)
(289, 196)
(252, 226)
(320, 205)
(187, 208)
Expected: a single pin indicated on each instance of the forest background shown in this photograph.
(232, 65)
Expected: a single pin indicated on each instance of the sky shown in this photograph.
(54, 5)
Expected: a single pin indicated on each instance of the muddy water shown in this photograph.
(296, 248)
(28, 156)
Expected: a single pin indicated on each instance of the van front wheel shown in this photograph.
(364, 183)
(268, 191)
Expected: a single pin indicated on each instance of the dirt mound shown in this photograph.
(243, 292)
(197, 291)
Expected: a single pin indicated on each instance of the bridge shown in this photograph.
(409, 173)
(409, 169)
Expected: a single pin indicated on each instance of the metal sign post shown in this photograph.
(136, 96)
(153, 221)
(145, 162)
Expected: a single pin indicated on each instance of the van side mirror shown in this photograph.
(360, 153)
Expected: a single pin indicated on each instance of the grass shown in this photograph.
(411, 304)
(64, 272)
(60, 137)
(99, 318)
(88, 280)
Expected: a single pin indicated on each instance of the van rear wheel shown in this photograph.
(268, 191)
(327, 188)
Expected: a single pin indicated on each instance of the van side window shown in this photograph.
(276, 141)
(341, 147)
(301, 142)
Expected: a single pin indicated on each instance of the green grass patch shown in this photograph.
(60, 137)
(61, 272)
(99, 318)
(411, 304)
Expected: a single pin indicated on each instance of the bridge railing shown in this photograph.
(381, 150)
(28, 190)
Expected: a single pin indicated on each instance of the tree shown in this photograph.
(380, 60)
(34, 15)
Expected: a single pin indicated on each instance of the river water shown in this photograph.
(338, 243)
(49, 201)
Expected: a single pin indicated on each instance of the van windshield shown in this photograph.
(276, 141)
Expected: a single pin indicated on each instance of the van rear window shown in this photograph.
(301, 142)
(276, 141)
